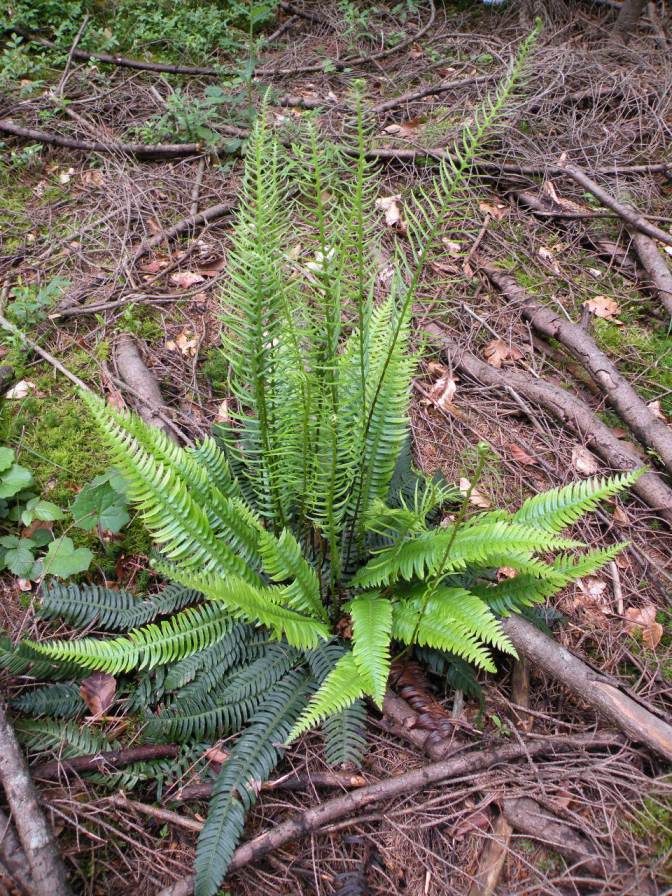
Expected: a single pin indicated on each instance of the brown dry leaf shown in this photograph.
(20, 390)
(390, 206)
(153, 267)
(604, 307)
(506, 572)
(93, 177)
(186, 343)
(643, 619)
(97, 691)
(476, 498)
(223, 412)
(583, 461)
(497, 352)
(185, 279)
(494, 211)
(24, 584)
(443, 391)
(115, 399)
(656, 410)
(593, 587)
(453, 248)
(620, 516)
(214, 754)
(521, 456)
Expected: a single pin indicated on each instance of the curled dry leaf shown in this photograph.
(223, 412)
(185, 279)
(20, 390)
(548, 255)
(390, 206)
(643, 620)
(443, 391)
(604, 307)
(186, 343)
(656, 410)
(453, 248)
(583, 461)
(476, 498)
(497, 353)
(97, 691)
(497, 211)
(521, 456)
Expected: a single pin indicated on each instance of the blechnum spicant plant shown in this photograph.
(302, 518)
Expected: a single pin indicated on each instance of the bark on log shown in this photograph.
(37, 839)
(631, 408)
(350, 804)
(569, 411)
(104, 761)
(13, 858)
(655, 266)
(134, 372)
(639, 723)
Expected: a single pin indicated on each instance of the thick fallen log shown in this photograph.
(655, 266)
(569, 411)
(13, 858)
(350, 804)
(47, 871)
(631, 408)
(600, 692)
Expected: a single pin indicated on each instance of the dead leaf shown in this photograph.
(604, 307)
(656, 410)
(223, 412)
(443, 391)
(584, 461)
(595, 272)
(497, 352)
(593, 587)
(97, 691)
(186, 343)
(214, 754)
(453, 248)
(506, 572)
(93, 177)
(24, 584)
(494, 211)
(476, 498)
(65, 176)
(153, 267)
(620, 516)
(185, 279)
(390, 206)
(20, 390)
(643, 619)
(521, 456)
(548, 255)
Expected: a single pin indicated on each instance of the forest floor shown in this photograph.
(84, 248)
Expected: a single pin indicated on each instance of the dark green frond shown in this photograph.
(345, 735)
(67, 738)
(60, 699)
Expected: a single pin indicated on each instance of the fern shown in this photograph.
(69, 739)
(253, 758)
(345, 735)
(61, 699)
(371, 634)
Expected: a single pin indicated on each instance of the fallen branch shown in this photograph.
(492, 859)
(141, 150)
(631, 408)
(186, 225)
(654, 264)
(429, 90)
(37, 839)
(352, 803)
(109, 760)
(134, 372)
(324, 780)
(569, 410)
(600, 692)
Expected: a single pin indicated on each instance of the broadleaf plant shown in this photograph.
(312, 565)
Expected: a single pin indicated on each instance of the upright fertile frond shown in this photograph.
(560, 507)
(189, 631)
(339, 690)
(257, 605)
(84, 605)
(371, 632)
(252, 759)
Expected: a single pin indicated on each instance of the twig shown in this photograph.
(104, 761)
(326, 780)
(492, 859)
(37, 839)
(429, 90)
(66, 71)
(45, 355)
(618, 588)
(164, 815)
(281, 29)
(630, 407)
(186, 225)
(196, 189)
(570, 411)
(352, 803)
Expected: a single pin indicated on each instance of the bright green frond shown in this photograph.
(338, 691)
(283, 561)
(560, 507)
(187, 632)
(371, 617)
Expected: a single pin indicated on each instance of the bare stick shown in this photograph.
(66, 71)
(630, 407)
(134, 372)
(325, 780)
(601, 693)
(570, 411)
(104, 761)
(37, 839)
(196, 189)
(45, 355)
(186, 225)
(164, 815)
(429, 90)
(653, 262)
(351, 804)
